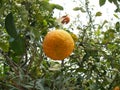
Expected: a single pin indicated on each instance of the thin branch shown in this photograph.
(88, 12)
(62, 63)
(111, 84)
(10, 62)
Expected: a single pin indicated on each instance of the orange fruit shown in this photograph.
(116, 88)
(58, 44)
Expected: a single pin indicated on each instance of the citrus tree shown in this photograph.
(87, 61)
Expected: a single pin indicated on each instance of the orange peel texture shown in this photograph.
(116, 88)
(58, 44)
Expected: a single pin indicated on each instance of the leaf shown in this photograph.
(117, 9)
(76, 8)
(117, 26)
(55, 67)
(10, 26)
(112, 47)
(102, 2)
(45, 23)
(98, 14)
(75, 38)
(98, 32)
(80, 70)
(39, 84)
(18, 45)
(105, 41)
(79, 8)
(56, 6)
(116, 16)
(109, 35)
(4, 46)
(115, 2)
(110, 1)
(46, 5)
(0, 3)
(105, 21)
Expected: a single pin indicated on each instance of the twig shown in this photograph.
(111, 84)
(88, 12)
(9, 60)
(62, 63)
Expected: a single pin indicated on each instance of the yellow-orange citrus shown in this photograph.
(116, 88)
(58, 44)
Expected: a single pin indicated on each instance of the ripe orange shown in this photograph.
(116, 88)
(58, 44)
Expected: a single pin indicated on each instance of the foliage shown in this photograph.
(116, 2)
(93, 65)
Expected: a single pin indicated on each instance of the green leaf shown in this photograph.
(10, 26)
(79, 8)
(112, 47)
(45, 22)
(18, 45)
(117, 26)
(56, 6)
(98, 32)
(76, 8)
(55, 67)
(116, 16)
(110, 1)
(105, 41)
(109, 35)
(105, 21)
(4, 46)
(0, 3)
(98, 14)
(115, 2)
(102, 2)
(46, 5)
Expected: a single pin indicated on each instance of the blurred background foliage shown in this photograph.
(93, 65)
